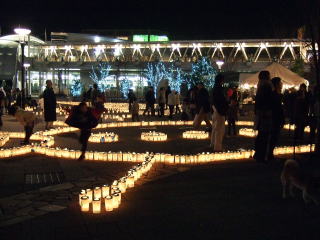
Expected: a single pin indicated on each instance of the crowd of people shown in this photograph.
(271, 109)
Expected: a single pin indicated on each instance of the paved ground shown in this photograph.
(230, 200)
(236, 200)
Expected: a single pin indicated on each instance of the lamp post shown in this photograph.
(22, 32)
(219, 63)
(26, 66)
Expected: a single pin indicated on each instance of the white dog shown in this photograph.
(292, 176)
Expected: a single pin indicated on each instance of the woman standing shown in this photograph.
(50, 103)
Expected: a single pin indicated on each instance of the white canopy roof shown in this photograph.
(288, 77)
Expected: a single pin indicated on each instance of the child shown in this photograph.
(85, 118)
(135, 110)
(232, 116)
(27, 119)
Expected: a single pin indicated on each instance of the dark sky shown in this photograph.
(197, 19)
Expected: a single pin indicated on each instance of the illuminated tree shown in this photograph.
(125, 85)
(155, 73)
(76, 88)
(99, 76)
(201, 71)
(175, 78)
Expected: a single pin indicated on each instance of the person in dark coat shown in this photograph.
(220, 108)
(150, 101)
(301, 111)
(85, 118)
(50, 103)
(131, 98)
(202, 107)
(278, 118)
(263, 117)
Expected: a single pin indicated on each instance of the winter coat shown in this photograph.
(26, 118)
(162, 97)
(219, 100)
(177, 99)
(150, 97)
(202, 101)
(50, 103)
(172, 99)
(277, 110)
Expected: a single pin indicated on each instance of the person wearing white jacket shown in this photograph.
(172, 102)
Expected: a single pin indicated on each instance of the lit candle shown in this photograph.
(108, 203)
(96, 205)
(85, 204)
(105, 190)
(97, 192)
(82, 194)
(89, 194)
(116, 200)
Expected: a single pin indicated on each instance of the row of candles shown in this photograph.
(195, 134)
(110, 196)
(247, 132)
(144, 124)
(153, 136)
(104, 137)
(139, 157)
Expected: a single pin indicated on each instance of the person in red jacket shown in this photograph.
(85, 118)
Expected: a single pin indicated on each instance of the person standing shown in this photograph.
(178, 103)
(168, 91)
(135, 110)
(263, 117)
(131, 98)
(50, 103)
(94, 94)
(301, 111)
(161, 101)
(220, 108)
(2, 104)
(171, 102)
(232, 116)
(202, 107)
(150, 101)
(277, 115)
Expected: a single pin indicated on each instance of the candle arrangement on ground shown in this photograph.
(106, 137)
(4, 138)
(107, 198)
(293, 127)
(153, 136)
(195, 135)
(247, 132)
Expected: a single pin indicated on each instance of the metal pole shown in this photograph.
(23, 94)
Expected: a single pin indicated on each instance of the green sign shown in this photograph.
(156, 38)
(140, 38)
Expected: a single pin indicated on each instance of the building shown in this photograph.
(70, 57)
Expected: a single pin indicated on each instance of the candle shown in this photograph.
(108, 203)
(97, 192)
(96, 205)
(82, 194)
(85, 204)
(105, 190)
(89, 194)
(116, 200)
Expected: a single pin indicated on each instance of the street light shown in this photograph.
(219, 63)
(28, 89)
(22, 32)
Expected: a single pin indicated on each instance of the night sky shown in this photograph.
(197, 19)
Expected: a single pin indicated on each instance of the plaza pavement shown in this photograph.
(225, 200)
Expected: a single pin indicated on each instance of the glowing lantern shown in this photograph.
(108, 203)
(85, 204)
(96, 205)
